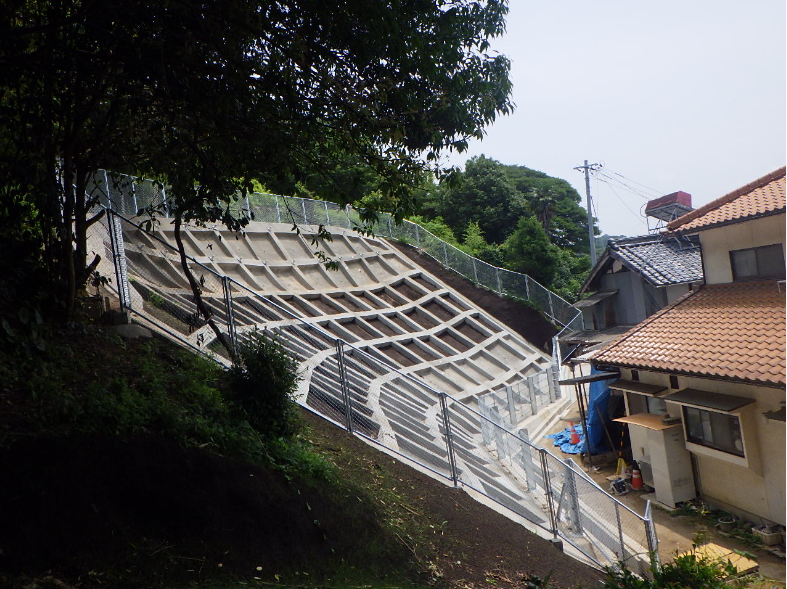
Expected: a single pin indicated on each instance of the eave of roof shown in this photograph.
(684, 224)
(726, 331)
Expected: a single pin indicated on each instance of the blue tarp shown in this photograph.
(563, 440)
(598, 401)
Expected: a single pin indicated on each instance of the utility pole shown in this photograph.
(591, 236)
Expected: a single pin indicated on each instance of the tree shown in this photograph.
(556, 204)
(210, 95)
(528, 251)
(484, 195)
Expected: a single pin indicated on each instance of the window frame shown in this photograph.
(758, 275)
(713, 416)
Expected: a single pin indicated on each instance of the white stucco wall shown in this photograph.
(754, 486)
(717, 244)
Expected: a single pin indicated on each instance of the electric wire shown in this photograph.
(638, 216)
(653, 190)
(624, 186)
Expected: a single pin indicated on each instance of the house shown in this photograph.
(634, 278)
(704, 378)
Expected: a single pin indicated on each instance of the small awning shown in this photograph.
(648, 420)
(641, 388)
(778, 415)
(593, 299)
(590, 378)
(708, 400)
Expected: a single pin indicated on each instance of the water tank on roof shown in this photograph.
(670, 206)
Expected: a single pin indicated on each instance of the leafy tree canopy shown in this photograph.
(210, 95)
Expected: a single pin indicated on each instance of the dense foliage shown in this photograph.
(513, 217)
(209, 96)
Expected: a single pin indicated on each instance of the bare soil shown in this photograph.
(519, 317)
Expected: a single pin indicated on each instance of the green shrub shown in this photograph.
(261, 386)
(686, 570)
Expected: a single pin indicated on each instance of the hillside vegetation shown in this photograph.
(135, 464)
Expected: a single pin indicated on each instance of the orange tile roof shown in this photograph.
(765, 196)
(731, 331)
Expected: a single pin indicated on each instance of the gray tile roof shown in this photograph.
(660, 259)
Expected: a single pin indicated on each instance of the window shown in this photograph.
(673, 382)
(635, 375)
(757, 262)
(646, 404)
(719, 431)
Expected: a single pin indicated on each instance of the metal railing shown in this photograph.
(364, 394)
(127, 195)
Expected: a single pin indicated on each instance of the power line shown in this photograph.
(657, 192)
(638, 216)
(624, 186)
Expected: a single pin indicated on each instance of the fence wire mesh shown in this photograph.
(357, 389)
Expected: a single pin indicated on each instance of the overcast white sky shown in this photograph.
(673, 95)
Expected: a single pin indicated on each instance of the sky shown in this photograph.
(671, 95)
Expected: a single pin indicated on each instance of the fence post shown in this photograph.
(445, 255)
(622, 555)
(327, 216)
(248, 207)
(390, 231)
(527, 460)
(119, 259)
(449, 439)
(531, 387)
(653, 541)
(225, 281)
(527, 287)
(475, 271)
(551, 308)
(417, 236)
(164, 200)
(511, 404)
(548, 490)
(551, 383)
(134, 198)
(348, 408)
(570, 491)
(303, 208)
(499, 285)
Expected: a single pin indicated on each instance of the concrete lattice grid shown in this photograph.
(408, 336)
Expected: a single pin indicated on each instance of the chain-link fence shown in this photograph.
(357, 389)
(128, 195)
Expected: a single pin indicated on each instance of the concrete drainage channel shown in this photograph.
(390, 353)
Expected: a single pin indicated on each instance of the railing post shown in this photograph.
(511, 405)
(109, 196)
(449, 439)
(570, 487)
(551, 384)
(531, 388)
(548, 490)
(164, 201)
(119, 259)
(134, 198)
(348, 408)
(622, 555)
(225, 281)
(653, 541)
(527, 460)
